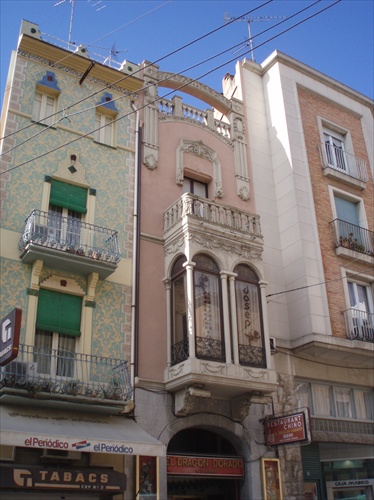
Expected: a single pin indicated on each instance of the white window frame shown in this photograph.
(40, 112)
(105, 129)
(333, 388)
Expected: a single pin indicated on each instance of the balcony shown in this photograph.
(353, 241)
(191, 208)
(66, 377)
(359, 325)
(344, 166)
(68, 243)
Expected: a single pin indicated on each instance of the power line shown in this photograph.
(174, 90)
(150, 64)
(161, 81)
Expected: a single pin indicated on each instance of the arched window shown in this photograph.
(208, 310)
(249, 318)
(179, 344)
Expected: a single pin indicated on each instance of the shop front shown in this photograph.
(51, 454)
(202, 465)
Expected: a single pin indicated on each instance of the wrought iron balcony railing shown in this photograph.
(337, 159)
(209, 211)
(353, 237)
(58, 372)
(69, 234)
(359, 324)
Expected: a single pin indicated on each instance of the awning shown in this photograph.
(75, 431)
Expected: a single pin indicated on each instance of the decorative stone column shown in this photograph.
(240, 150)
(150, 128)
(234, 324)
(167, 284)
(190, 310)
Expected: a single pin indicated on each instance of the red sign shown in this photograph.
(205, 466)
(287, 429)
(9, 336)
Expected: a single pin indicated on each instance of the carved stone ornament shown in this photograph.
(244, 193)
(240, 407)
(184, 403)
(151, 92)
(151, 162)
(239, 128)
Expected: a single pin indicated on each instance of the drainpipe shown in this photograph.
(135, 266)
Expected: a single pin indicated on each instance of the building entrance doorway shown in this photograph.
(202, 465)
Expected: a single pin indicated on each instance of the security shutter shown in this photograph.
(68, 196)
(59, 312)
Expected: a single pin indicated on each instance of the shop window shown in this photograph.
(207, 299)
(57, 328)
(249, 317)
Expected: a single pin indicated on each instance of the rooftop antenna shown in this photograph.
(249, 20)
(113, 55)
(97, 4)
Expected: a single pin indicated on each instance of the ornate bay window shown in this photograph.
(249, 317)
(218, 334)
(208, 323)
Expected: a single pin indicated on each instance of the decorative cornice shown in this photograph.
(77, 74)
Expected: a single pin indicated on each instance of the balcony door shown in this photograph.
(335, 151)
(362, 316)
(57, 328)
(67, 205)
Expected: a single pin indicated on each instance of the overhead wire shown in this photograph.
(159, 82)
(172, 91)
(125, 77)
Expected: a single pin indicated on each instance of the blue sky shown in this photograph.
(338, 42)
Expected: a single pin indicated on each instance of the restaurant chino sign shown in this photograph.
(287, 429)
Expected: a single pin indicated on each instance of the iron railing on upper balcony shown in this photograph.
(353, 237)
(359, 324)
(57, 372)
(341, 161)
(70, 234)
(209, 211)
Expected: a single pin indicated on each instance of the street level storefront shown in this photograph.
(47, 452)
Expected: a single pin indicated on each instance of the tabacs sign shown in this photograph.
(288, 429)
(46, 478)
(9, 336)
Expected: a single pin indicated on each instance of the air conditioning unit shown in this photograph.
(60, 455)
(273, 345)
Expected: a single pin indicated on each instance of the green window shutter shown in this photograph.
(68, 196)
(59, 312)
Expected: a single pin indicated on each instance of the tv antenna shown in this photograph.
(250, 20)
(97, 4)
(113, 55)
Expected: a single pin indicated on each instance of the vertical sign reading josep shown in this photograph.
(9, 336)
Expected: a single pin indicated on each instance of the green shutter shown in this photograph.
(68, 196)
(59, 312)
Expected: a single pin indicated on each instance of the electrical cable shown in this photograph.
(145, 88)
(150, 64)
(174, 90)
